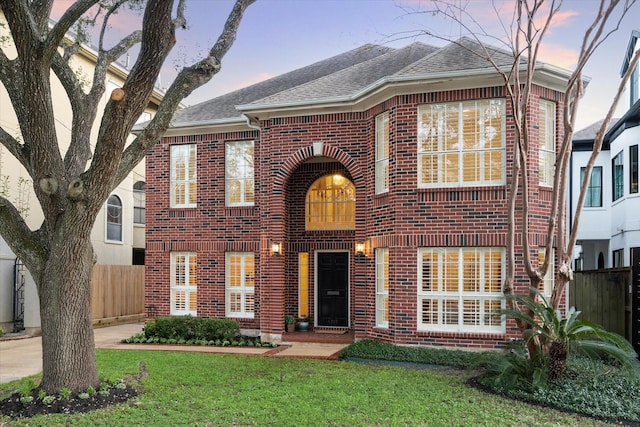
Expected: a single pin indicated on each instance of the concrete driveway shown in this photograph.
(23, 357)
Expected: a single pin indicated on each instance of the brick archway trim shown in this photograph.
(303, 154)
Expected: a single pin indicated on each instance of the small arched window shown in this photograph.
(114, 219)
(331, 204)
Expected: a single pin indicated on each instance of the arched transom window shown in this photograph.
(331, 204)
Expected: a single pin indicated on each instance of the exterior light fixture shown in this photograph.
(276, 248)
(360, 248)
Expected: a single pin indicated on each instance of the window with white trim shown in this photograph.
(183, 176)
(238, 175)
(382, 287)
(460, 289)
(547, 130)
(382, 153)
(139, 202)
(184, 287)
(546, 286)
(239, 284)
(461, 143)
(114, 219)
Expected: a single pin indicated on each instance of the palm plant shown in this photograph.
(551, 336)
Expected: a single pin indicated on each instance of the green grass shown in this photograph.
(197, 389)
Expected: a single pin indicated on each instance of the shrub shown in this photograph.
(190, 329)
(1, 332)
(595, 387)
(378, 350)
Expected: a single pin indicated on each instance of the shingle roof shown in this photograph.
(464, 54)
(349, 81)
(345, 76)
(589, 133)
(223, 107)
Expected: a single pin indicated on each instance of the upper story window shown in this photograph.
(617, 171)
(593, 198)
(114, 219)
(382, 153)
(239, 181)
(547, 129)
(183, 176)
(139, 201)
(633, 169)
(461, 143)
(331, 204)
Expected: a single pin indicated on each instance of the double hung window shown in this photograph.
(461, 143)
(460, 289)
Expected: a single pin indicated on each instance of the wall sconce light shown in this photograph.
(276, 248)
(360, 248)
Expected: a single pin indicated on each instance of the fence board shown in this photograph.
(601, 295)
(117, 291)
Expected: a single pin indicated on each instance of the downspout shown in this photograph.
(251, 122)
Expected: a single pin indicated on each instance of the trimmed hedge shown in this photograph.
(378, 350)
(192, 328)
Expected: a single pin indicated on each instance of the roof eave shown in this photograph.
(546, 75)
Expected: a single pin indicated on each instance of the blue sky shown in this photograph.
(277, 36)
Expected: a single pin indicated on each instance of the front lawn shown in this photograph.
(202, 389)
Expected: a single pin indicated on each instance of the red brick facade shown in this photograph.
(403, 219)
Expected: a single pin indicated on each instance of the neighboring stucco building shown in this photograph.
(118, 234)
(609, 229)
(367, 191)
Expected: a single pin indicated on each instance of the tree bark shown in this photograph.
(64, 289)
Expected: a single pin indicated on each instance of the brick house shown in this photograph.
(367, 191)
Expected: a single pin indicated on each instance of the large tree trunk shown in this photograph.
(64, 287)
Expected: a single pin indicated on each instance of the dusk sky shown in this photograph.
(277, 36)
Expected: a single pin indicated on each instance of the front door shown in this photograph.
(333, 289)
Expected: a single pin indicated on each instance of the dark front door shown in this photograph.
(333, 289)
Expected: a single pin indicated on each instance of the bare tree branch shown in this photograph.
(189, 79)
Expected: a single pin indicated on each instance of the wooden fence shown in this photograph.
(117, 293)
(603, 297)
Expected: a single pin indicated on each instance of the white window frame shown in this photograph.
(186, 288)
(439, 129)
(190, 176)
(548, 281)
(547, 154)
(382, 287)
(109, 211)
(244, 176)
(246, 288)
(438, 296)
(382, 153)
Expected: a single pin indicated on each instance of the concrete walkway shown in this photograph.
(23, 357)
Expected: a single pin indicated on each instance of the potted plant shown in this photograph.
(303, 324)
(290, 323)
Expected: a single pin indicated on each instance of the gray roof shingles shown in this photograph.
(343, 76)
(223, 107)
(349, 81)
